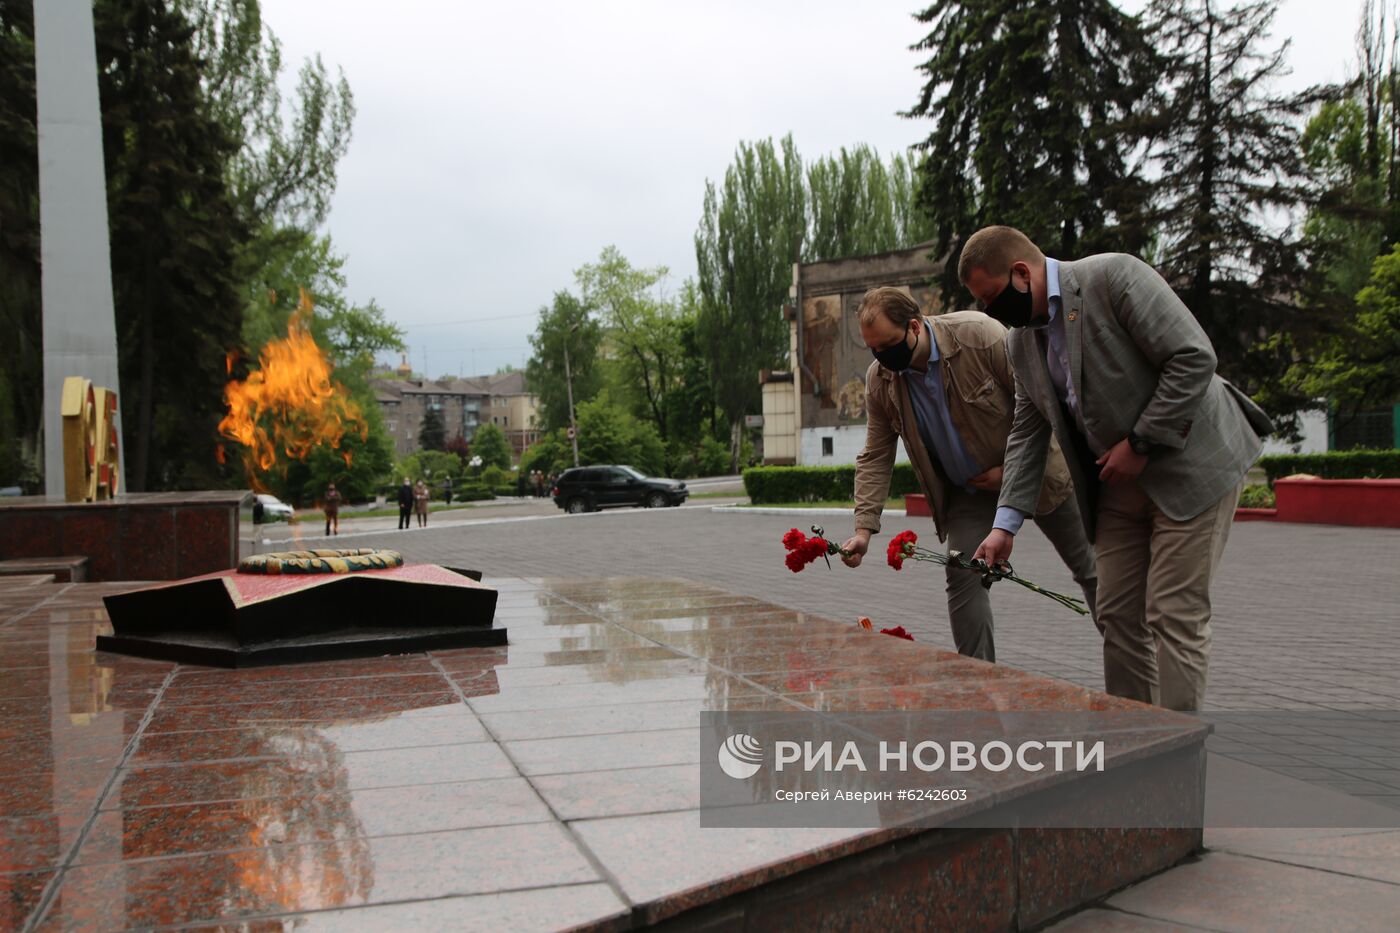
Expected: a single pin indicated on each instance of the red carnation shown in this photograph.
(802, 550)
(898, 631)
(896, 552)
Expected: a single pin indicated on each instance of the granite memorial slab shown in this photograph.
(247, 617)
(547, 783)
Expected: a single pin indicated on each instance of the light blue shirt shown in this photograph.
(1057, 360)
(935, 422)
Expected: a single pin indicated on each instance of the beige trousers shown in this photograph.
(968, 520)
(1154, 595)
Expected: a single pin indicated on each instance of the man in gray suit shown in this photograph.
(1111, 363)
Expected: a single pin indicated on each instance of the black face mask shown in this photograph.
(898, 357)
(1012, 307)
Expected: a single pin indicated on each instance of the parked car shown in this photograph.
(273, 509)
(588, 489)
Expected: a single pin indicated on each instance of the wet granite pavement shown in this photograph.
(547, 784)
(477, 790)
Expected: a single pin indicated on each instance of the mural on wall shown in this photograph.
(821, 325)
(837, 356)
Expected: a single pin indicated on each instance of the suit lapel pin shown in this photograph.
(1073, 315)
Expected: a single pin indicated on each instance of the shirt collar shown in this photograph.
(932, 344)
(1052, 286)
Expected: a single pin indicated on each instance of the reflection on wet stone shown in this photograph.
(378, 789)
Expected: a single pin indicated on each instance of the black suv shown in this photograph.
(588, 489)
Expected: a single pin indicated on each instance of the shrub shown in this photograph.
(471, 492)
(1257, 496)
(493, 476)
(1334, 464)
(770, 485)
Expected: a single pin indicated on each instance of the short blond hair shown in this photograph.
(894, 303)
(994, 249)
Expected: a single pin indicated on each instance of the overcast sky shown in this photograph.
(500, 146)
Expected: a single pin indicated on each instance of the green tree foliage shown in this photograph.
(768, 214)
(207, 167)
(285, 166)
(174, 235)
(493, 477)
(858, 206)
(1359, 368)
(643, 329)
(286, 261)
(690, 403)
(21, 349)
(563, 324)
(551, 454)
(1346, 227)
(432, 434)
(1229, 152)
(1349, 148)
(434, 466)
(1028, 101)
(357, 480)
(490, 444)
(610, 434)
(751, 233)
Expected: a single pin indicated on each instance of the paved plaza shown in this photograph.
(148, 794)
(1307, 617)
(1306, 622)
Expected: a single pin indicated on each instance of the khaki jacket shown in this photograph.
(981, 392)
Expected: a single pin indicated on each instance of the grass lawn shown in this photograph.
(315, 515)
(824, 504)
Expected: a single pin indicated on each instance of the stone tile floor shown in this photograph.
(1307, 618)
(1301, 624)
(540, 785)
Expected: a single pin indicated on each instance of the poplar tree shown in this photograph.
(751, 232)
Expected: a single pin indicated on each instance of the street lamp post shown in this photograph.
(569, 384)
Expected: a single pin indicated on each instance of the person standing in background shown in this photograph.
(332, 508)
(420, 503)
(405, 504)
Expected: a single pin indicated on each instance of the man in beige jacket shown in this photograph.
(944, 386)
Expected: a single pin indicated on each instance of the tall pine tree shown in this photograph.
(1029, 102)
(1229, 157)
(174, 233)
(21, 349)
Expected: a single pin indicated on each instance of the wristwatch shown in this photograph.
(1140, 445)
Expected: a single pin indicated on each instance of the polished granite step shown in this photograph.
(550, 783)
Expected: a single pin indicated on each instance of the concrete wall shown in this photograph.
(846, 442)
(779, 423)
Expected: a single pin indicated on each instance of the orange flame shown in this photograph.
(289, 403)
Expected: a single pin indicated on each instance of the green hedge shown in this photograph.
(1257, 496)
(778, 485)
(471, 492)
(1335, 464)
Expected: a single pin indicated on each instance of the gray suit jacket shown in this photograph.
(1139, 361)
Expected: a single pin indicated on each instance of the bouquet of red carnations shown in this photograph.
(802, 550)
